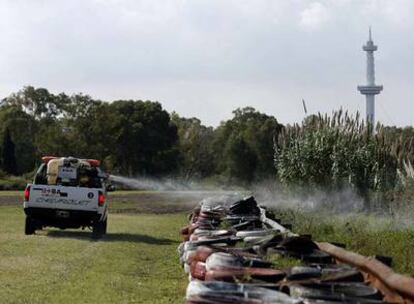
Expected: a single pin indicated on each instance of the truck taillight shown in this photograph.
(101, 199)
(27, 194)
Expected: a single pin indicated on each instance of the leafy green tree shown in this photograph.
(38, 102)
(257, 130)
(23, 129)
(51, 139)
(136, 137)
(195, 147)
(145, 138)
(81, 127)
(241, 160)
(86, 129)
(8, 154)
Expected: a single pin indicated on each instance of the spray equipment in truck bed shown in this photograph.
(92, 162)
(64, 171)
(69, 171)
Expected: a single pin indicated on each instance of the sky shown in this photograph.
(205, 58)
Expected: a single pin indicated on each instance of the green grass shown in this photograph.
(136, 263)
(366, 234)
(280, 262)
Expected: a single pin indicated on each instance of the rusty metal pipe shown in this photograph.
(375, 270)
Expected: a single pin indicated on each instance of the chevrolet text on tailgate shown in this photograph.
(67, 192)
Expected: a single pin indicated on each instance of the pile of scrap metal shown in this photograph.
(232, 250)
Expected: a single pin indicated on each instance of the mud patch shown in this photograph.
(10, 200)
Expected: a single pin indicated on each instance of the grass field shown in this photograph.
(366, 234)
(135, 263)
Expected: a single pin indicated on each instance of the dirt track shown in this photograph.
(9, 200)
(155, 202)
(138, 202)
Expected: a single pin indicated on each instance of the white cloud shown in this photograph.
(395, 13)
(314, 16)
(399, 12)
(212, 55)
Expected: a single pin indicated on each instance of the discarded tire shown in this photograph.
(223, 292)
(231, 251)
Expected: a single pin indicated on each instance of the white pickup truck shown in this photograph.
(67, 192)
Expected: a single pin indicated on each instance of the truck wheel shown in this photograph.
(98, 229)
(105, 225)
(29, 227)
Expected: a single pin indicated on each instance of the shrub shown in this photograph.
(13, 183)
(332, 151)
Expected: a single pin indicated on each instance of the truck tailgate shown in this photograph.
(63, 197)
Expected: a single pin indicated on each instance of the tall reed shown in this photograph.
(339, 150)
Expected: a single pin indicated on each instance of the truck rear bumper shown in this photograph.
(62, 218)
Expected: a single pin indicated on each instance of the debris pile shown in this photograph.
(237, 252)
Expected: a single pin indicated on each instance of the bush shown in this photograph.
(13, 183)
(330, 152)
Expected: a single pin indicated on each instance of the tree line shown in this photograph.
(133, 137)
(140, 138)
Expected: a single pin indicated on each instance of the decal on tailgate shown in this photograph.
(52, 192)
(59, 200)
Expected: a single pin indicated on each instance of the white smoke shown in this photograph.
(143, 183)
(273, 195)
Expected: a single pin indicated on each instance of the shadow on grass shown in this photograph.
(111, 237)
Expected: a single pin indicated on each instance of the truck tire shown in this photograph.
(105, 225)
(29, 227)
(99, 229)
